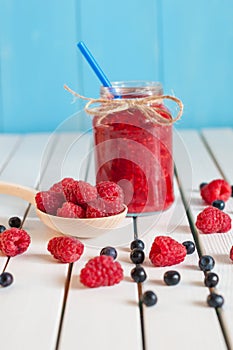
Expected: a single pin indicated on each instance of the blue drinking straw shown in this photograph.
(94, 65)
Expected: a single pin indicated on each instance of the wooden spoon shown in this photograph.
(83, 228)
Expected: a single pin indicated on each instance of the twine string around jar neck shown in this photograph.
(149, 106)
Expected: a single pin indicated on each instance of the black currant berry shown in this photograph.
(211, 279)
(202, 185)
(231, 191)
(215, 300)
(219, 204)
(2, 228)
(190, 246)
(14, 222)
(206, 263)
(138, 274)
(6, 279)
(171, 278)
(149, 298)
(137, 243)
(110, 251)
(137, 256)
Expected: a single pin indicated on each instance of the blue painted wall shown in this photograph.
(186, 45)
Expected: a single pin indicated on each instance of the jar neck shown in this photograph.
(132, 89)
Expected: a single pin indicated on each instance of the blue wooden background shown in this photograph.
(186, 45)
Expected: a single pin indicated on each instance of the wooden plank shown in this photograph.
(216, 245)
(7, 145)
(219, 142)
(181, 311)
(23, 168)
(111, 313)
(69, 159)
(37, 293)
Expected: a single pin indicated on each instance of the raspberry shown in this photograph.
(109, 189)
(59, 186)
(48, 201)
(14, 241)
(71, 210)
(96, 209)
(101, 271)
(216, 190)
(85, 192)
(104, 207)
(80, 192)
(113, 205)
(231, 253)
(69, 185)
(65, 249)
(213, 220)
(165, 251)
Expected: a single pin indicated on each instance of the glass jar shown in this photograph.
(135, 151)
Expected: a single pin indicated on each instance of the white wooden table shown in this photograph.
(47, 308)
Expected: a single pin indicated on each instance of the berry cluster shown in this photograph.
(164, 251)
(172, 277)
(216, 190)
(212, 219)
(71, 198)
(99, 271)
(137, 256)
(206, 264)
(13, 241)
(138, 273)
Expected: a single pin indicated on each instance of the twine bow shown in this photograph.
(149, 106)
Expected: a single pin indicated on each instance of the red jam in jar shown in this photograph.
(135, 151)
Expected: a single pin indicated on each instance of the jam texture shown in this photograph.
(136, 153)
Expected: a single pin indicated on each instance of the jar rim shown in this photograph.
(132, 87)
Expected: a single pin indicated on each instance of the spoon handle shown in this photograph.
(26, 193)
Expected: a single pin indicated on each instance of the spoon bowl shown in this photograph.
(81, 228)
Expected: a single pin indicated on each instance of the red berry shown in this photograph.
(96, 209)
(216, 190)
(104, 207)
(59, 186)
(213, 220)
(71, 210)
(165, 251)
(65, 249)
(14, 241)
(48, 201)
(80, 192)
(85, 192)
(69, 186)
(231, 253)
(113, 205)
(101, 271)
(109, 189)
(112, 195)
